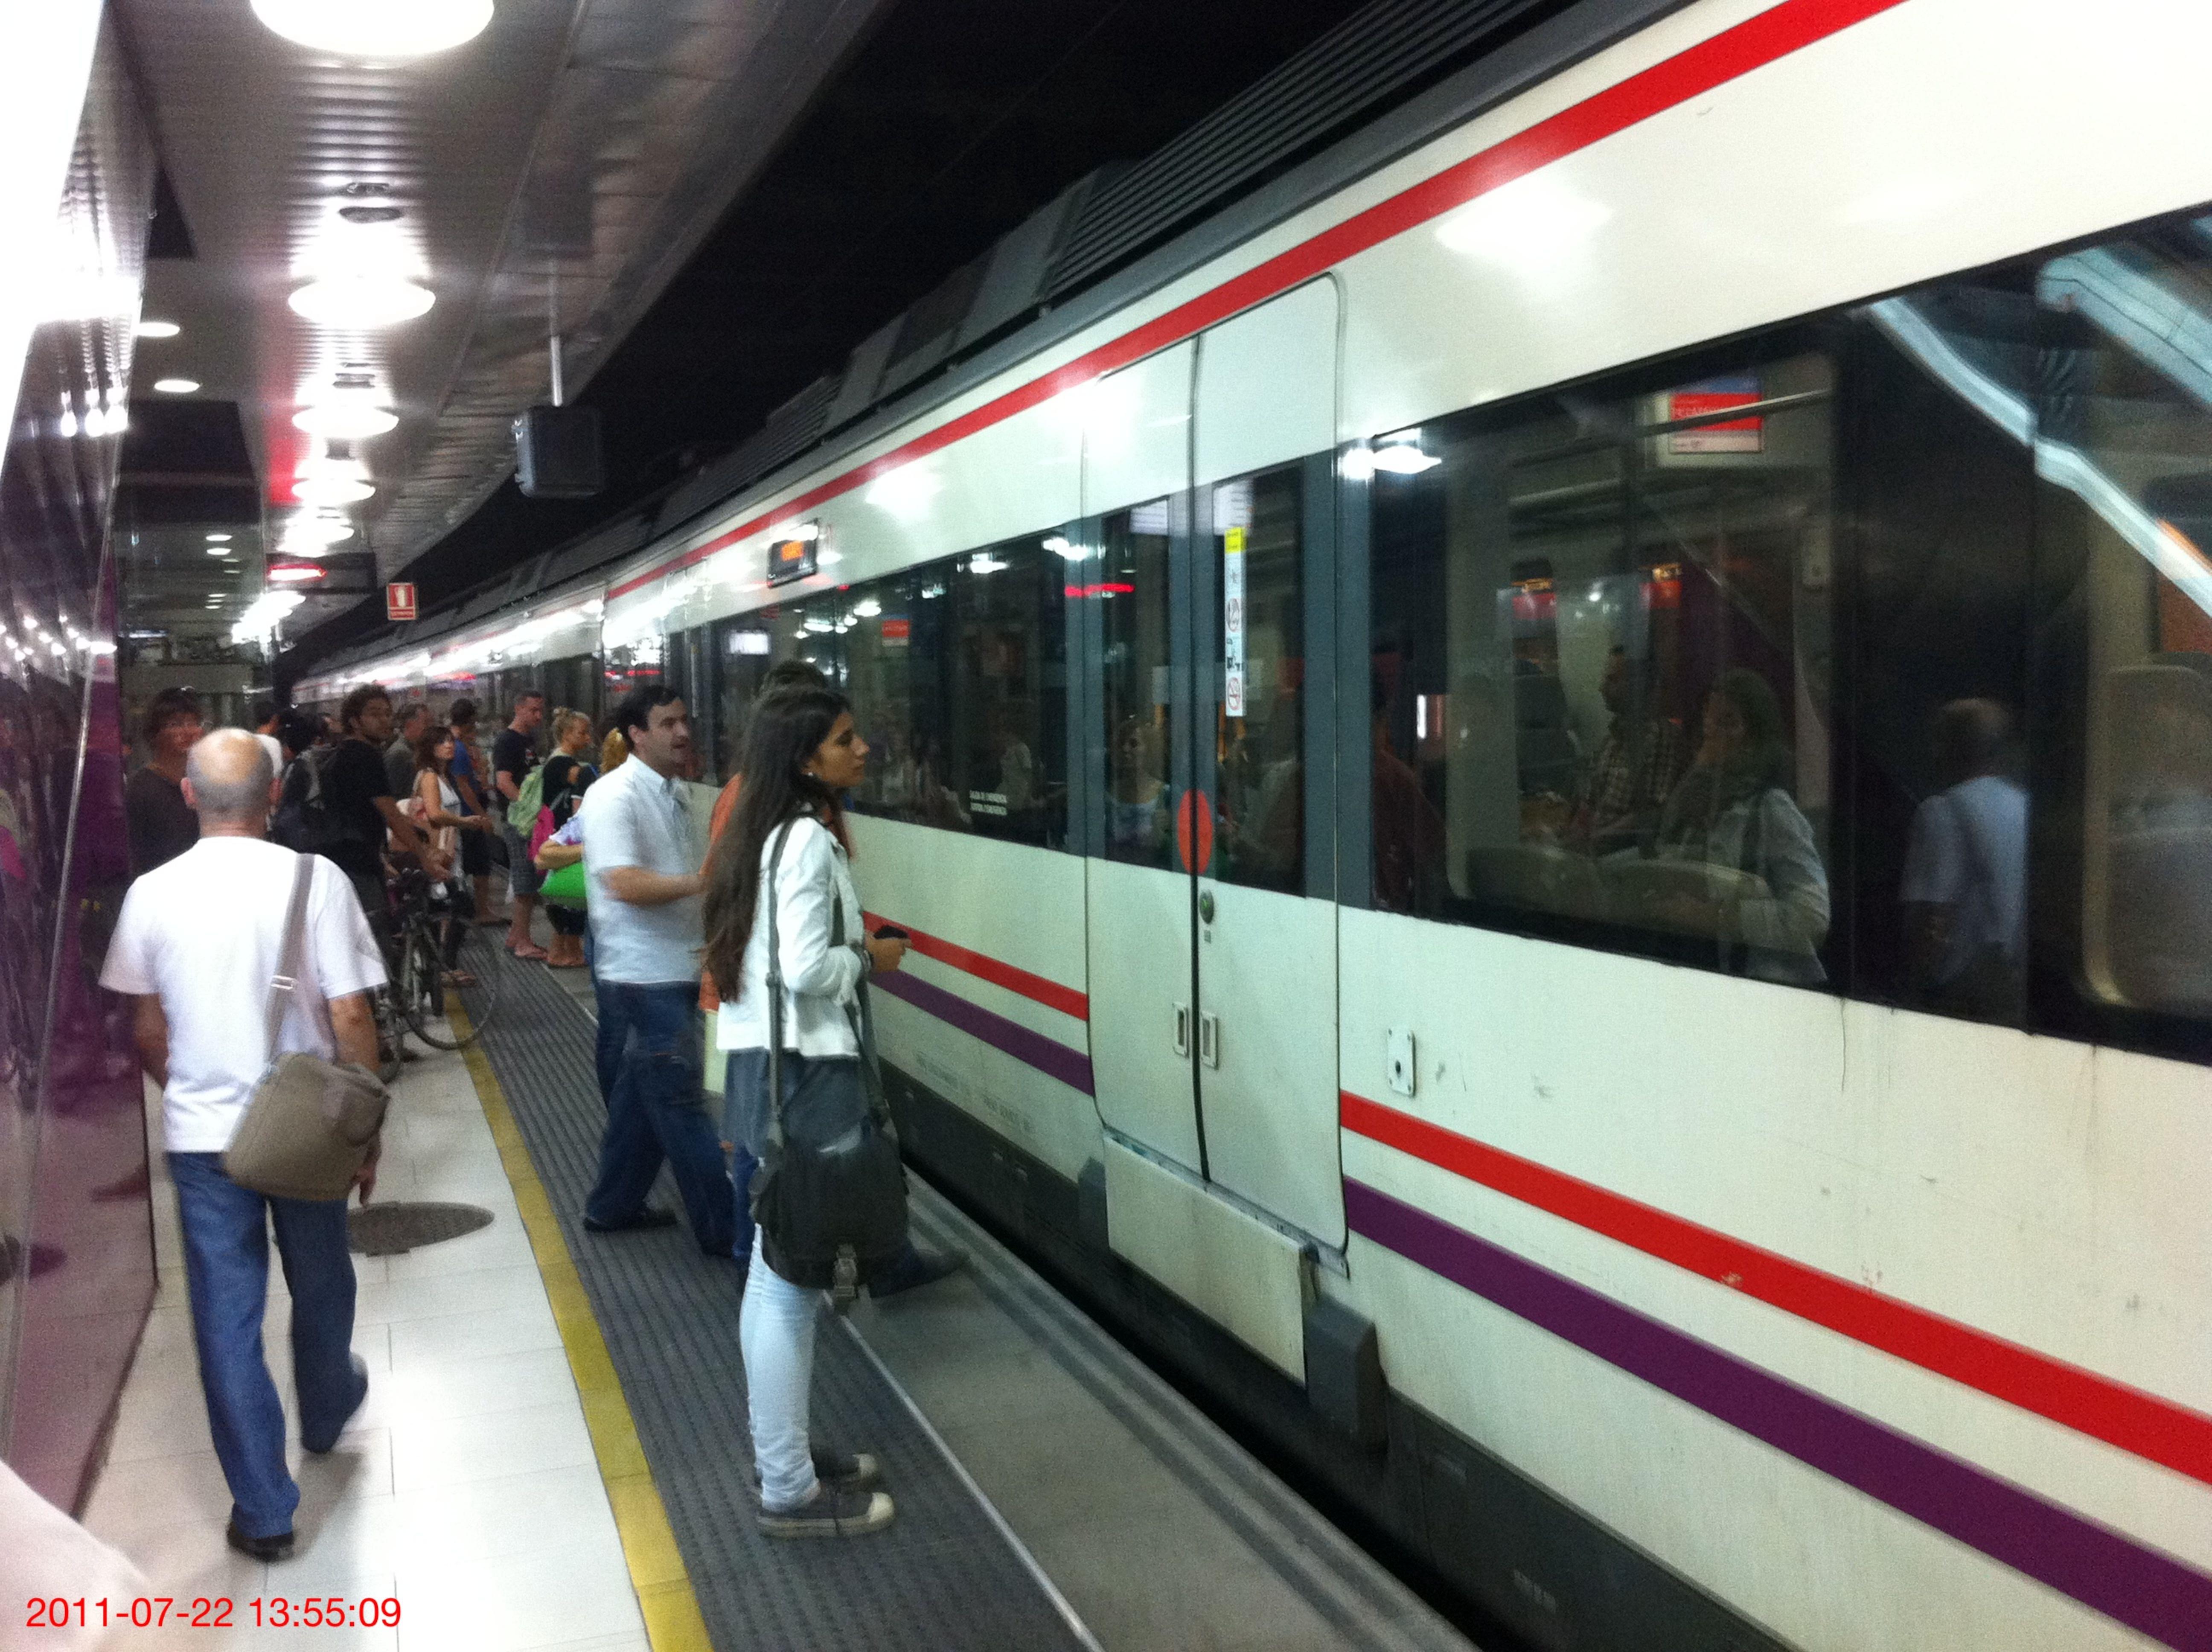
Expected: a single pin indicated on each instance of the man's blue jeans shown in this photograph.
(226, 1236)
(649, 1063)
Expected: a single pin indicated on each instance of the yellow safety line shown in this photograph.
(672, 1620)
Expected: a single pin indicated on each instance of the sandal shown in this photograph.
(529, 952)
(456, 978)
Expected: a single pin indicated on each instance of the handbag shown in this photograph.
(830, 1203)
(564, 888)
(310, 1124)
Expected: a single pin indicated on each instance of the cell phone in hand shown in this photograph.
(891, 932)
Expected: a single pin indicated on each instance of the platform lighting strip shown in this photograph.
(2142, 1423)
(1691, 73)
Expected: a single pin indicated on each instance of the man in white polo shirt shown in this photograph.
(197, 944)
(642, 851)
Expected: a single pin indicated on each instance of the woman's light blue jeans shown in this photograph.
(775, 1331)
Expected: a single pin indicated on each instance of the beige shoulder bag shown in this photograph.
(311, 1123)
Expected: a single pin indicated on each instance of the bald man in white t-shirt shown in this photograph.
(197, 944)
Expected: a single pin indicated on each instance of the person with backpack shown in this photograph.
(787, 951)
(514, 767)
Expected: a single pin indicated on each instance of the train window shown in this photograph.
(739, 650)
(1136, 666)
(1601, 669)
(1260, 699)
(2124, 444)
(636, 664)
(957, 671)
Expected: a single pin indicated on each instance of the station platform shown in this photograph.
(554, 1453)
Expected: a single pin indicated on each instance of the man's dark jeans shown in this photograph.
(227, 1269)
(649, 1065)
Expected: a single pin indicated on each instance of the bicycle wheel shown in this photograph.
(478, 958)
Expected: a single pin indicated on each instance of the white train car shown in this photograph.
(1557, 818)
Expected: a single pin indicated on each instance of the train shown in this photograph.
(1554, 788)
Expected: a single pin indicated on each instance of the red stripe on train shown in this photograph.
(983, 967)
(2149, 1427)
(1752, 44)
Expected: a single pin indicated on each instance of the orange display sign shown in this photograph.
(399, 601)
(793, 557)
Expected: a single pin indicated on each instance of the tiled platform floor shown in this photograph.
(466, 1487)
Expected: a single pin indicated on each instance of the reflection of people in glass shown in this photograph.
(1733, 811)
(1409, 833)
(1966, 869)
(1018, 777)
(1136, 796)
(1636, 767)
(2160, 821)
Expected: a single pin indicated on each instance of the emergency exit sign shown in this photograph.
(399, 601)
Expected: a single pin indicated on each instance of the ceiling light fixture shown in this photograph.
(372, 300)
(218, 538)
(385, 28)
(149, 328)
(347, 420)
(220, 550)
(330, 490)
(176, 387)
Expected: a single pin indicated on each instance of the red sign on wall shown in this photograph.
(399, 601)
(897, 632)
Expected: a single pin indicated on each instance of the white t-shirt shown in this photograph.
(636, 817)
(202, 932)
(1968, 851)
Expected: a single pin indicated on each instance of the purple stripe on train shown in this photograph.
(1048, 1055)
(2144, 1587)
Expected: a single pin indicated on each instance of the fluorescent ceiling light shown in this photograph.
(219, 551)
(376, 28)
(1404, 458)
(330, 490)
(315, 530)
(176, 387)
(1060, 546)
(346, 420)
(150, 328)
(362, 301)
(218, 538)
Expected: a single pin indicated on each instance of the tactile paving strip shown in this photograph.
(944, 1576)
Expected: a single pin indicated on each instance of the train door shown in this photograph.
(1211, 864)
(1259, 832)
(1137, 740)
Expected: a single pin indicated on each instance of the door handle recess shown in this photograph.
(1182, 1030)
(1209, 1040)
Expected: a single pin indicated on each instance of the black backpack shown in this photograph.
(306, 820)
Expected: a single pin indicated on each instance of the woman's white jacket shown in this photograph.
(820, 982)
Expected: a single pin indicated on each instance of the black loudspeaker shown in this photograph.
(557, 453)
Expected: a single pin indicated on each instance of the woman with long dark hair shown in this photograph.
(1733, 811)
(438, 805)
(803, 754)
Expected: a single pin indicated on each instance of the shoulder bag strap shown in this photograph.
(776, 991)
(292, 952)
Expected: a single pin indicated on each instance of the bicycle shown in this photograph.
(420, 985)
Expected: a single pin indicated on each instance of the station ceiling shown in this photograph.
(714, 200)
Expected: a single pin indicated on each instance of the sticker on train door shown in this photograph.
(1233, 622)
